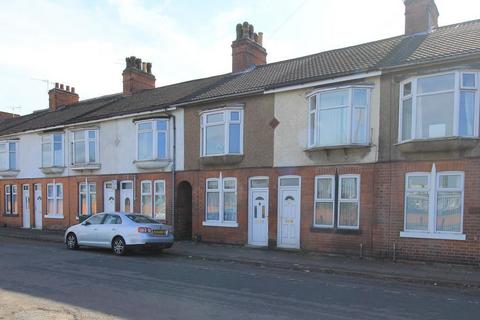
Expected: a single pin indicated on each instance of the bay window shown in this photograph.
(337, 201)
(11, 206)
(437, 106)
(87, 199)
(152, 139)
(52, 150)
(221, 202)
(85, 146)
(339, 117)
(54, 199)
(434, 205)
(222, 132)
(153, 200)
(8, 155)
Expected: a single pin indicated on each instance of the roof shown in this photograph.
(453, 41)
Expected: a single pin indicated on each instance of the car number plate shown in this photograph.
(159, 232)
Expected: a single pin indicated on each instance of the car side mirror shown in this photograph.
(86, 223)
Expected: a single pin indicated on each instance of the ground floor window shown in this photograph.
(221, 201)
(153, 199)
(11, 206)
(55, 199)
(337, 201)
(87, 198)
(433, 204)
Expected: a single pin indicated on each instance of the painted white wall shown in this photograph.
(117, 149)
(290, 137)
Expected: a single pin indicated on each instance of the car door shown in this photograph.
(89, 230)
(109, 229)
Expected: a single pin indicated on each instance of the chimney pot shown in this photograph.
(61, 86)
(68, 88)
(56, 85)
(73, 90)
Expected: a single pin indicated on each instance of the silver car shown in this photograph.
(119, 231)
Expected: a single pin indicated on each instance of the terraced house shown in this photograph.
(370, 149)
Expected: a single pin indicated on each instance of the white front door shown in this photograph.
(109, 197)
(126, 196)
(37, 194)
(289, 212)
(258, 217)
(26, 205)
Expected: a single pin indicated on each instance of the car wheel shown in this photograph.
(71, 241)
(119, 248)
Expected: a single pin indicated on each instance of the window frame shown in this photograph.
(316, 114)
(433, 189)
(88, 194)
(154, 130)
(55, 199)
(221, 222)
(144, 193)
(86, 140)
(458, 88)
(324, 200)
(226, 127)
(51, 138)
(9, 199)
(7, 153)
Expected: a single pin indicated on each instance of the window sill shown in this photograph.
(317, 229)
(54, 216)
(438, 144)
(86, 166)
(9, 173)
(337, 147)
(221, 159)
(52, 170)
(152, 164)
(427, 235)
(12, 215)
(220, 224)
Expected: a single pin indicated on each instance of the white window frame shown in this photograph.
(433, 189)
(226, 126)
(356, 200)
(154, 131)
(12, 191)
(316, 114)
(458, 88)
(88, 197)
(324, 200)
(144, 193)
(7, 152)
(51, 138)
(158, 193)
(221, 191)
(86, 141)
(55, 197)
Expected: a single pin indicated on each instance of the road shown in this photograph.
(46, 281)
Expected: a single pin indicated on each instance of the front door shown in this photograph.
(289, 212)
(26, 205)
(109, 197)
(126, 196)
(258, 212)
(37, 194)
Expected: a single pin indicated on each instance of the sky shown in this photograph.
(84, 43)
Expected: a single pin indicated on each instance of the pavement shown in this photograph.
(436, 274)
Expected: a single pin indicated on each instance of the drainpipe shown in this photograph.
(173, 168)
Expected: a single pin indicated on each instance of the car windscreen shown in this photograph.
(140, 219)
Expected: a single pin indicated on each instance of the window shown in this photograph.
(96, 219)
(340, 195)
(52, 150)
(152, 139)
(443, 105)
(55, 199)
(11, 199)
(85, 146)
(222, 132)
(154, 199)
(112, 219)
(221, 201)
(434, 204)
(339, 117)
(8, 155)
(87, 199)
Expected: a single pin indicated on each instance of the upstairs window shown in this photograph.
(85, 146)
(11, 199)
(52, 150)
(8, 155)
(222, 132)
(443, 105)
(152, 139)
(339, 117)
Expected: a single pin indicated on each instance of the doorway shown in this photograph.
(183, 217)
(26, 205)
(109, 197)
(37, 195)
(258, 211)
(126, 196)
(289, 212)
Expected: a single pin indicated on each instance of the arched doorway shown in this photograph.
(183, 217)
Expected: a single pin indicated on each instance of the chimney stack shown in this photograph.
(421, 16)
(247, 49)
(58, 96)
(137, 76)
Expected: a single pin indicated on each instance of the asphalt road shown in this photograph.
(46, 281)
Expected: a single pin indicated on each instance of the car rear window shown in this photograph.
(140, 219)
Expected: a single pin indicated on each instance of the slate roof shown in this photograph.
(452, 41)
